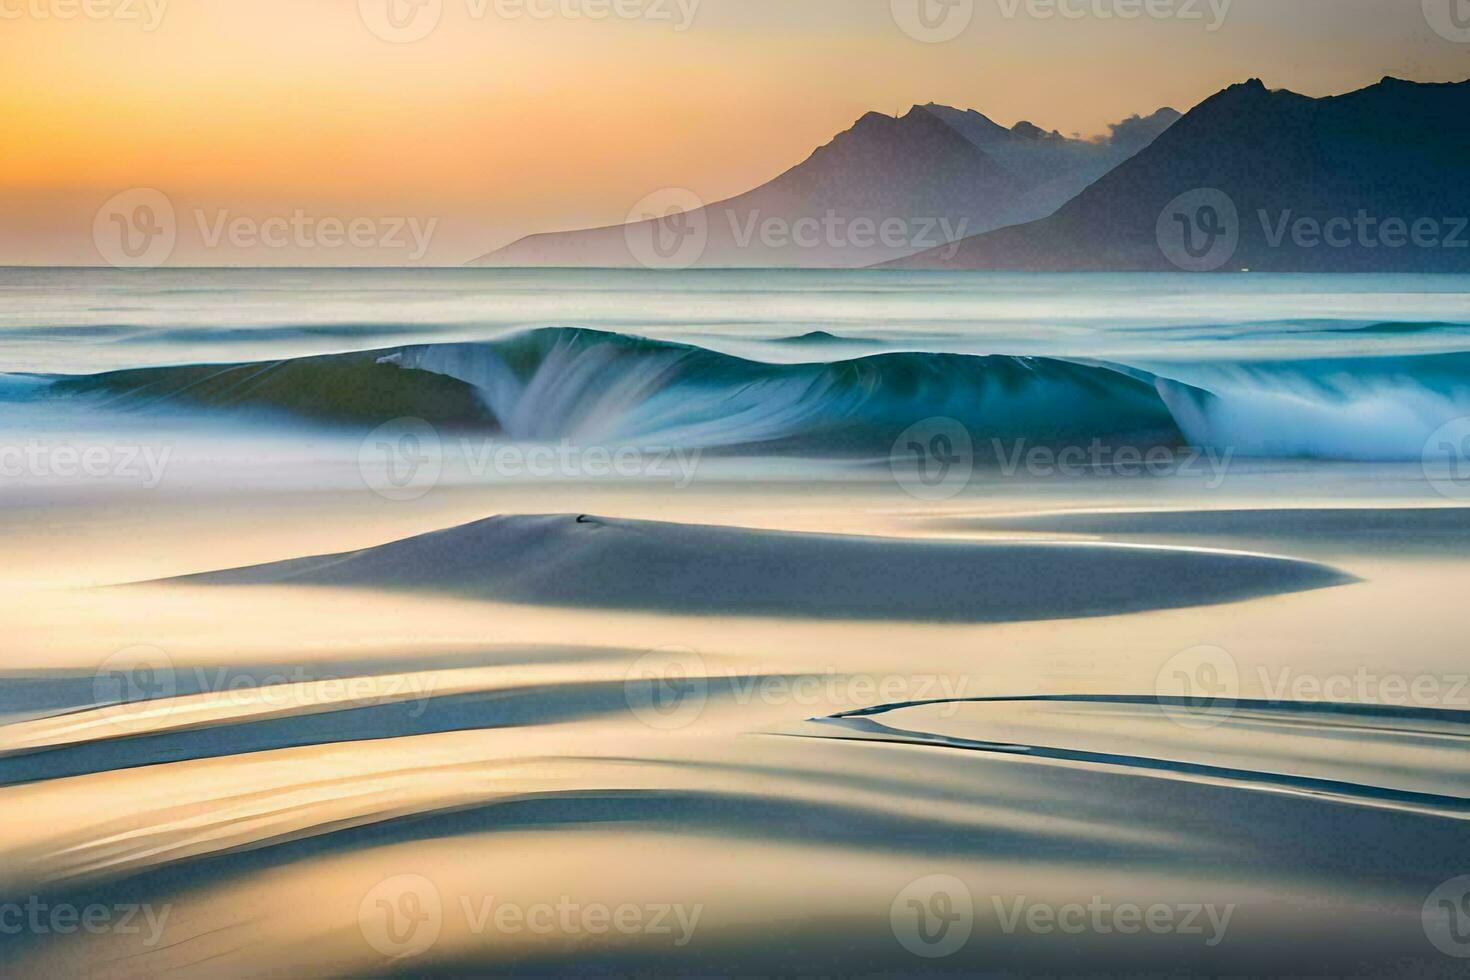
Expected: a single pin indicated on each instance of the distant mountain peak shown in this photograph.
(942, 172)
(1393, 151)
(1029, 130)
(1251, 89)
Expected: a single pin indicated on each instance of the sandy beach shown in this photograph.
(800, 714)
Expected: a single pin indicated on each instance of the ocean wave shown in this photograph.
(1365, 409)
(593, 387)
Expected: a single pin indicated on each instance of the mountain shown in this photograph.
(887, 187)
(1057, 168)
(1270, 181)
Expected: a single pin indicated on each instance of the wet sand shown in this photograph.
(831, 734)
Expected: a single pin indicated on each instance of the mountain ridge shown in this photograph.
(1291, 168)
(929, 169)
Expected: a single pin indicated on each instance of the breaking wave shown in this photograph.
(592, 387)
(589, 386)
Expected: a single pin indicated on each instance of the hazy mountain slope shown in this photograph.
(885, 188)
(1262, 170)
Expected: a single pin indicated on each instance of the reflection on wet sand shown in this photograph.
(351, 776)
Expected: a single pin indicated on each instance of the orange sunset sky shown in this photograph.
(501, 122)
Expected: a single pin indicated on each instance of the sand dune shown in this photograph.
(595, 562)
(1391, 530)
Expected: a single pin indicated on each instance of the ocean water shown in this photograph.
(70, 320)
(1355, 368)
(483, 622)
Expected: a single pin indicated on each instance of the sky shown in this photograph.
(402, 132)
